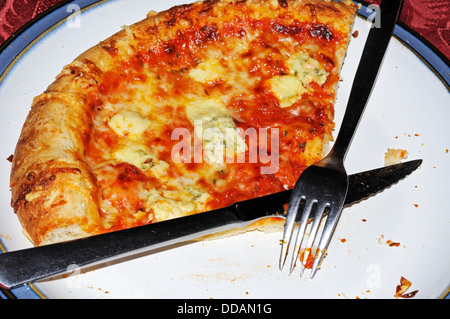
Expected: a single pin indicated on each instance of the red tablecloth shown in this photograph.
(430, 18)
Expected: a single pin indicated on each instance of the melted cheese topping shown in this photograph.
(224, 97)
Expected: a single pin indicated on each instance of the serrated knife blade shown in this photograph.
(28, 265)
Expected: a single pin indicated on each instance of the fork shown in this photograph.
(322, 187)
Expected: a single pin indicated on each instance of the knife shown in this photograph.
(28, 265)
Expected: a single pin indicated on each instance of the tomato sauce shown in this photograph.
(297, 125)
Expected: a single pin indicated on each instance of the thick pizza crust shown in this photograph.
(54, 193)
(52, 187)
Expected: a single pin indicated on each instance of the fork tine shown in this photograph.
(327, 233)
(312, 236)
(289, 229)
(301, 231)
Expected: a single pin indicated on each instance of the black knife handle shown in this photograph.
(28, 265)
(23, 266)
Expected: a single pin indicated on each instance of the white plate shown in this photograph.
(409, 109)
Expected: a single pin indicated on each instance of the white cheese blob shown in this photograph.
(216, 129)
(167, 204)
(210, 70)
(135, 154)
(129, 124)
(287, 88)
(221, 139)
(307, 69)
(302, 71)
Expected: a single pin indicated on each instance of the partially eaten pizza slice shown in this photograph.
(188, 110)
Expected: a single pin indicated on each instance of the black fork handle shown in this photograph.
(367, 72)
